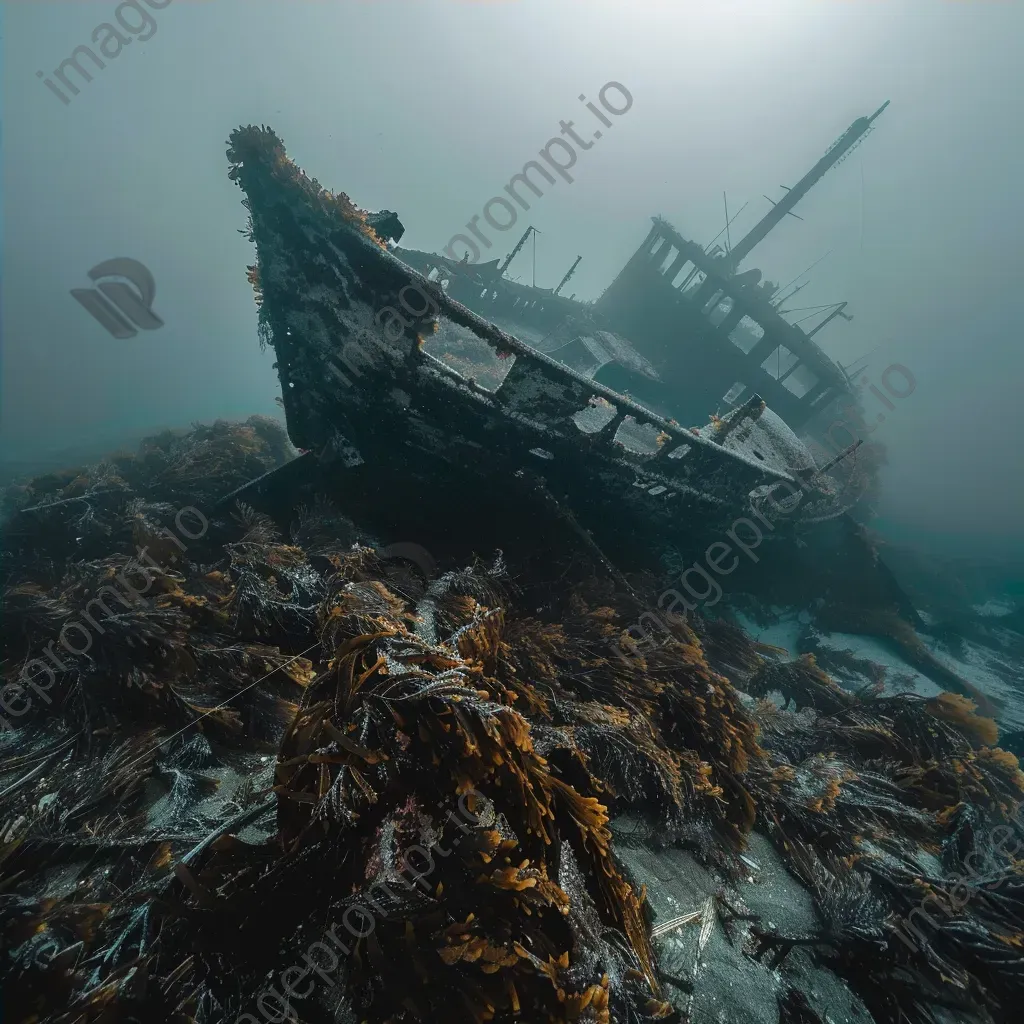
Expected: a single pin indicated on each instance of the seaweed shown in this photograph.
(287, 735)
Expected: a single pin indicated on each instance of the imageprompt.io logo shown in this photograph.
(119, 307)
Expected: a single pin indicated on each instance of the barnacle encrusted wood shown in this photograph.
(335, 304)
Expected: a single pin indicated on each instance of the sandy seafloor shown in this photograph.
(989, 668)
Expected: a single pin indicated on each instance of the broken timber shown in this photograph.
(326, 281)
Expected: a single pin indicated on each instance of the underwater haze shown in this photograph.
(428, 108)
(511, 511)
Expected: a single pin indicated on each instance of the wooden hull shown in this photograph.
(358, 386)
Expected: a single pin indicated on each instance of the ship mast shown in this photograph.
(572, 270)
(515, 252)
(840, 148)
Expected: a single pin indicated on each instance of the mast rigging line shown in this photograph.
(803, 309)
(801, 274)
(722, 232)
(816, 312)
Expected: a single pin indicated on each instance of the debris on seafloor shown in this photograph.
(476, 812)
(265, 763)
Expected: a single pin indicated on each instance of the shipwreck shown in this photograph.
(292, 777)
(681, 328)
(364, 335)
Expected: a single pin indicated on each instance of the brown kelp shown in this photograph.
(432, 839)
